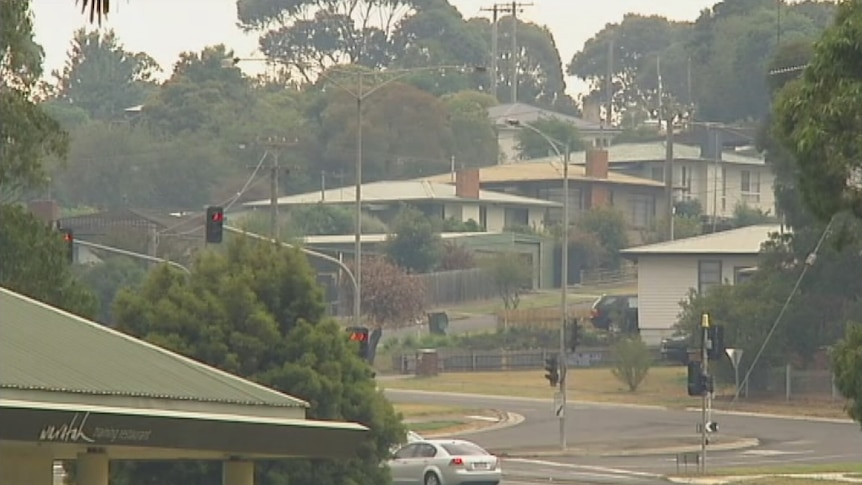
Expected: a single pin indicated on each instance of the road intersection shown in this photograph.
(596, 426)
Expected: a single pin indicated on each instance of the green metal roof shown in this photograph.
(43, 348)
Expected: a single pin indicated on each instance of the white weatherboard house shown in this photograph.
(668, 270)
(462, 200)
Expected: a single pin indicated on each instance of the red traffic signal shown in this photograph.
(359, 336)
(214, 224)
(69, 239)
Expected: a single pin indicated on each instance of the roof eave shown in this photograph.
(636, 254)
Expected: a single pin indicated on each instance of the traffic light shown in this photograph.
(715, 348)
(69, 239)
(214, 224)
(696, 380)
(361, 335)
(574, 334)
(552, 367)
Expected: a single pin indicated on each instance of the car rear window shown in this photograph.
(463, 449)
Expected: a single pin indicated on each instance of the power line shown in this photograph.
(809, 262)
(496, 9)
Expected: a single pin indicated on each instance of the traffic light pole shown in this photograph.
(132, 254)
(564, 306)
(704, 365)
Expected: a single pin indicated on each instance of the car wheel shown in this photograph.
(431, 479)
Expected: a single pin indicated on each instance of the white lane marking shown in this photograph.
(600, 469)
(483, 418)
(774, 452)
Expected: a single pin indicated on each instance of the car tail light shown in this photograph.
(594, 313)
(456, 462)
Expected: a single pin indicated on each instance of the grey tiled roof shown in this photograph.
(42, 348)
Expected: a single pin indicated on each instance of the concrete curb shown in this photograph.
(790, 417)
(721, 480)
(507, 420)
(646, 450)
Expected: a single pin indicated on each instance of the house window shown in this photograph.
(708, 274)
(517, 217)
(685, 177)
(750, 186)
(555, 194)
(741, 273)
(483, 217)
(641, 210)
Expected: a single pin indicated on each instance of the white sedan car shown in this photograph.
(444, 462)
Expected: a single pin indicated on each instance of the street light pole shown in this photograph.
(359, 94)
(564, 287)
(564, 273)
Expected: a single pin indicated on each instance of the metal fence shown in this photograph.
(503, 360)
(794, 384)
(628, 273)
(459, 286)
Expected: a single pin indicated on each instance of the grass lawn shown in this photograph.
(435, 426)
(539, 299)
(414, 411)
(663, 386)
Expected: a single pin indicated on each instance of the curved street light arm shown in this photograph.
(552, 142)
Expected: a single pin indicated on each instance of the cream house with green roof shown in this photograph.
(71, 389)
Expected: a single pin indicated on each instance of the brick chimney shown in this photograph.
(467, 183)
(46, 210)
(597, 163)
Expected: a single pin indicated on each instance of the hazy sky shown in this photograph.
(164, 28)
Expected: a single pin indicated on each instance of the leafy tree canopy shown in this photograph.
(35, 263)
(718, 63)
(816, 119)
(102, 78)
(534, 145)
(27, 133)
(256, 311)
(415, 244)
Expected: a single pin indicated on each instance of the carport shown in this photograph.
(71, 389)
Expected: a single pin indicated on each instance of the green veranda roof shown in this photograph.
(43, 348)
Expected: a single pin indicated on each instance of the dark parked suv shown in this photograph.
(617, 312)
(675, 349)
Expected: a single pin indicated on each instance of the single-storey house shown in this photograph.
(462, 200)
(667, 271)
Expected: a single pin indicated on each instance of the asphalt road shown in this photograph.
(782, 440)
